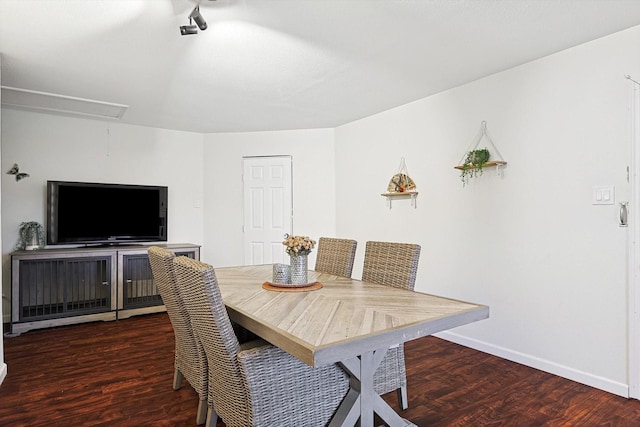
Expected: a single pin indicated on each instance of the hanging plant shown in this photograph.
(475, 160)
(30, 236)
(473, 164)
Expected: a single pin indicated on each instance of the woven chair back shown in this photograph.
(391, 264)
(190, 358)
(199, 288)
(335, 256)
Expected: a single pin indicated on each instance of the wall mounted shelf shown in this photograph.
(489, 164)
(409, 194)
(473, 169)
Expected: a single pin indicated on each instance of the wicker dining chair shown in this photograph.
(255, 384)
(190, 358)
(335, 256)
(392, 264)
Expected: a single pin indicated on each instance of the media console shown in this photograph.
(55, 287)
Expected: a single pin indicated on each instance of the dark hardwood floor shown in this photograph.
(120, 374)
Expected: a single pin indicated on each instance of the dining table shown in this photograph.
(340, 320)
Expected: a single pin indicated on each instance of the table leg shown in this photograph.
(361, 402)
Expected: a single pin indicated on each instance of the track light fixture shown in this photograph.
(200, 23)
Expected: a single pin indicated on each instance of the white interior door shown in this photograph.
(267, 208)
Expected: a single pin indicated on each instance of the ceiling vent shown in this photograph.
(44, 102)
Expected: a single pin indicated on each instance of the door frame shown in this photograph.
(633, 237)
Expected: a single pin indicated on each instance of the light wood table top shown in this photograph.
(343, 318)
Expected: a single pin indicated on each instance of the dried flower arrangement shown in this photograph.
(298, 245)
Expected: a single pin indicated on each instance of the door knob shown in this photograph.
(624, 214)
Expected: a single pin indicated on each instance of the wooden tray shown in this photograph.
(288, 288)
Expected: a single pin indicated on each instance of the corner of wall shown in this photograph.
(3, 366)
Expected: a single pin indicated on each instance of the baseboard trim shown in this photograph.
(581, 377)
(3, 372)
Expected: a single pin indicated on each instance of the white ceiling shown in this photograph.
(281, 64)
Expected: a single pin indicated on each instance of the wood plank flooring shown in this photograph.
(120, 374)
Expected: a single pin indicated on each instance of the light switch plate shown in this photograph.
(603, 195)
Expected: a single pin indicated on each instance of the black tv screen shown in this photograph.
(96, 213)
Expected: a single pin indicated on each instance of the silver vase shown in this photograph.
(298, 269)
(281, 273)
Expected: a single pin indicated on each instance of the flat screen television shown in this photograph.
(95, 213)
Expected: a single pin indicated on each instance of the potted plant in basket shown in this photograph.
(30, 236)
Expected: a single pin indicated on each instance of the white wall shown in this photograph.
(313, 155)
(62, 148)
(70, 149)
(551, 266)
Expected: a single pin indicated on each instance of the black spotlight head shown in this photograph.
(188, 29)
(200, 21)
(195, 15)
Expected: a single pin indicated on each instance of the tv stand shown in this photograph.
(55, 287)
